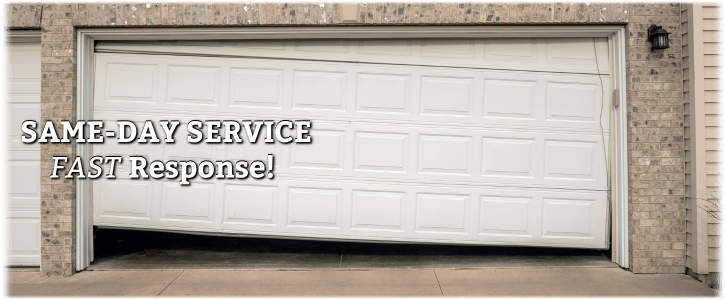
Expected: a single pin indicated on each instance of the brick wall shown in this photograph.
(655, 111)
(57, 96)
(655, 143)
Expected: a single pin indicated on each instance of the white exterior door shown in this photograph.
(461, 141)
(23, 103)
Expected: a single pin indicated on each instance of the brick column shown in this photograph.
(58, 90)
(655, 143)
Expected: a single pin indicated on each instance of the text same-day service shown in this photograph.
(212, 132)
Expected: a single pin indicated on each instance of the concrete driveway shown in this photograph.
(529, 281)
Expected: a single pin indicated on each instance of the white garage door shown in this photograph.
(463, 141)
(23, 103)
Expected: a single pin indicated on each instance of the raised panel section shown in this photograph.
(447, 96)
(123, 198)
(380, 151)
(24, 237)
(314, 208)
(319, 90)
(23, 60)
(440, 154)
(383, 93)
(573, 102)
(20, 113)
(113, 148)
(379, 210)
(509, 99)
(570, 50)
(570, 160)
(131, 82)
(385, 46)
(193, 85)
(508, 157)
(251, 152)
(505, 216)
(256, 88)
(437, 213)
(567, 218)
(327, 45)
(183, 150)
(192, 203)
(25, 182)
(326, 151)
(250, 205)
(454, 48)
(511, 49)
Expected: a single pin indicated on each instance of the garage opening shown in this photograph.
(500, 142)
(119, 249)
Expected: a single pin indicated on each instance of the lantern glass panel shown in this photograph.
(662, 41)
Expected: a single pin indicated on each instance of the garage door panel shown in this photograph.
(125, 198)
(449, 48)
(24, 241)
(449, 96)
(183, 150)
(442, 213)
(384, 93)
(568, 218)
(385, 47)
(193, 85)
(406, 94)
(509, 99)
(340, 46)
(328, 151)
(507, 216)
(570, 159)
(320, 90)
(378, 211)
(577, 102)
(445, 154)
(512, 54)
(190, 204)
(130, 82)
(314, 207)
(257, 151)
(256, 88)
(111, 146)
(516, 158)
(22, 100)
(126, 202)
(19, 113)
(514, 51)
(429, 148)
(247, 204)
(508, 157)
(385, 211)
(577, 52)
(381, 151)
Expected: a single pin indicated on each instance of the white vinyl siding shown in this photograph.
(702, 133)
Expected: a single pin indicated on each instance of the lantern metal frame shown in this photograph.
(658, 37)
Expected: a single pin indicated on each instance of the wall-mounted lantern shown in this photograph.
(658, 37)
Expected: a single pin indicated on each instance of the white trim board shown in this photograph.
(86, 38)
